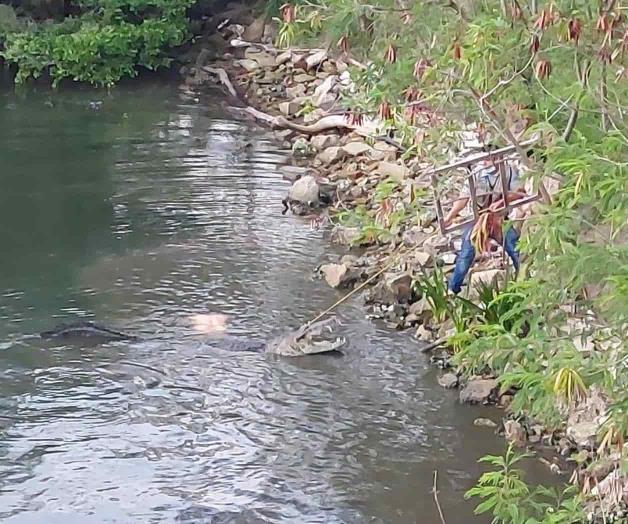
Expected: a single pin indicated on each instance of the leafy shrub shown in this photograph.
(102, 46)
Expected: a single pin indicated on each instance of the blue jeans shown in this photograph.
(465, 257)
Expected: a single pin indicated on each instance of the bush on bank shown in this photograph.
(106, 41)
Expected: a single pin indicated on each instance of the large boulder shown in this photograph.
(478, 390)
(305, 190)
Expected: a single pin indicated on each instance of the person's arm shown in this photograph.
(458, 206)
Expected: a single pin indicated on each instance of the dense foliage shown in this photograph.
(107, 42)
(559, 334)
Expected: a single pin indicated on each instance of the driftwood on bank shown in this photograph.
(223, 77)
(337, 121)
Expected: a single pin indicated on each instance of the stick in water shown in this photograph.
(435, 493)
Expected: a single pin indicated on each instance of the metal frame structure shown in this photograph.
(496, 155)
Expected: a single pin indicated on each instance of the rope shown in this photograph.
(386, 267)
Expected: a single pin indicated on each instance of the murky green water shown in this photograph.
(136, 215)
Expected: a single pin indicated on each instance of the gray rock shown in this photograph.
(255, 31)
(303, 78)
(313, 116)
(356, 192)
(487, 277)
(315, 59)
(263, 58)
(293, 173)
(336, 275)
(331, 155)
(400, 287)
(425, 335)
(394, 171)
(422, 258)
(583, 433)
(249, 65)
(345, 235)
(514, 432)
(419, 308)
(388, 151)
(356, 148)
(585, 420)
(415, 236)
(448, 258)
(448, 380)
(322, 142)
(283, 58)
(484, 423)
(290, 108)
(351, 261)
(477, 390)
(301, 147)
(305, 190)
(295, 91)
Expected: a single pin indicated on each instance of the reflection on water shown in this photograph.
(143, 212)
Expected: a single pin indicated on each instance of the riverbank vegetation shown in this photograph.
(98, 42)
(555, 337)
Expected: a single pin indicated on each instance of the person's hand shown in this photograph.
(496, 206)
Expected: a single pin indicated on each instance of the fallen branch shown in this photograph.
(326, 123)
(433, 345)
(435, 493)
(238, 42)
(224, 79)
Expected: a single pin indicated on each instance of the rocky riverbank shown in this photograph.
(351, 172)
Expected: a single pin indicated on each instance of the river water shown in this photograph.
(135, 215)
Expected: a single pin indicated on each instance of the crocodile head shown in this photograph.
(309, 339)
